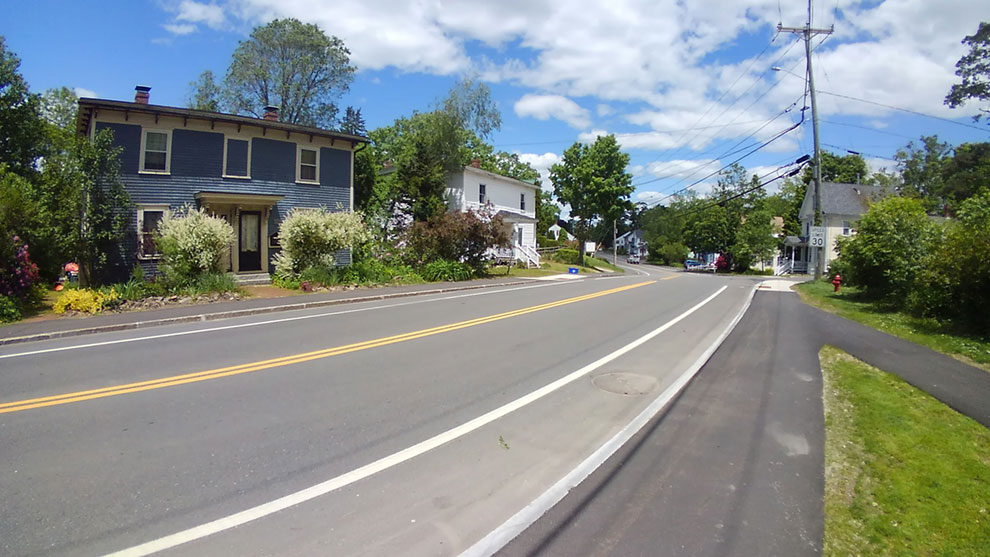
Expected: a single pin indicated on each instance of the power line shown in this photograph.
(762, 145)
(909, 111)
(732, 150)
(752, 189)
(834, 123)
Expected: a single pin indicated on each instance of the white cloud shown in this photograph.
(542, 164)
(654, 52)
(82, 92)
(179, 28)
(196, 12)
(544, 107)
(604, 110)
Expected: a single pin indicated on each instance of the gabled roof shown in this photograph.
(88, 106)
(843, 199)
(486, 173)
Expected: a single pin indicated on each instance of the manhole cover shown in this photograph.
(622, 383)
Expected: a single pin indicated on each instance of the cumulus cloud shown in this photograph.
(542, 164)
(196, 12)
(544, 107)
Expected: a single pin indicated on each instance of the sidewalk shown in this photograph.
(74, 326)
(735, 465)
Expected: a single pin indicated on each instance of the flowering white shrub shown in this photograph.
(311, 237)
(192, 243)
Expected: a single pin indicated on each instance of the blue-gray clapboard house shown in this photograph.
(249, 171)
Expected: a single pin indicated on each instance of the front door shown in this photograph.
(249, 242)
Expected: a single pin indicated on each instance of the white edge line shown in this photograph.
(515, 525)
(266, 322)
(282, 503)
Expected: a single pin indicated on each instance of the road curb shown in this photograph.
(240, 313)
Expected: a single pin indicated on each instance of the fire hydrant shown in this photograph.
(837, 281)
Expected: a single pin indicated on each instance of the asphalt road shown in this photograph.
(409, 426)
(733, 467)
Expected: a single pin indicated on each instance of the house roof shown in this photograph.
(482, 172)
(843, 199)
(88, 107)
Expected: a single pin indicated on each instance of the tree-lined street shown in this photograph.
(103, 474)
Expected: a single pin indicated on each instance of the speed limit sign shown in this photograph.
(816, 237)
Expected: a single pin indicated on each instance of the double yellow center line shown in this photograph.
(172, 381)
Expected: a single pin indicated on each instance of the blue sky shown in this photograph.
(682, 84)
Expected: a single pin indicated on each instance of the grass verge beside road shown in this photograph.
(904, 473)
(943, 337)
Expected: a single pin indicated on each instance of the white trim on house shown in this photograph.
(141, 210)
(299, 164)
(167, 132)
(247, 166)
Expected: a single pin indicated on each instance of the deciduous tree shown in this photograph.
(593, 181)
(292, 65)
(974, 69)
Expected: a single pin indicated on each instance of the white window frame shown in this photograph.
(847, 228)
(522, 201)
(482, 194)
(168, 151)
(299, 150)
(247, 166)
(141, 209)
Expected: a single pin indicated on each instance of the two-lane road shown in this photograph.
(414, 425)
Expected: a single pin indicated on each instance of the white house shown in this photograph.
(842, 206)
(511, 199)
(633, 242)
(556, 231)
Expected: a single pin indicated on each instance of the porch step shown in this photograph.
(251, 279)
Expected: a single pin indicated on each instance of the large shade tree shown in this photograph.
(288, 64)
(593, 181)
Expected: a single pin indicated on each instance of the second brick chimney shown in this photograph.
(476, 163)
(141, 94)
(271, 113)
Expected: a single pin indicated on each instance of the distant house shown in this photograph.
(513, 200)
(249, 171)
(632, 242)
(842, 206)
(556, 230)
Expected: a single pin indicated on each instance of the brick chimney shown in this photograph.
(476, 163)
(141, 95)
(271, 113)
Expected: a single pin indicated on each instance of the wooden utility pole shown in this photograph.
(807, 31)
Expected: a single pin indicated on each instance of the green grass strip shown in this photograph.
(937, 335)
(904, 473)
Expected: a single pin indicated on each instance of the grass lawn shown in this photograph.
(554, 268)
(849, 303)
(904, 473)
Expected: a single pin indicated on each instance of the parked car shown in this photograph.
(633, 258)
(695, 265)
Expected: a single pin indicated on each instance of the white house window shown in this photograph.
(522, 201)
(148, 217)
(481, 194)
(846, 228)
(155, 151)
(236, 158)
(309, 166)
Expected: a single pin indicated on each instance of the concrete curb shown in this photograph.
(241, 313)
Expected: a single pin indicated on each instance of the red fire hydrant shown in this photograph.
(837, 281)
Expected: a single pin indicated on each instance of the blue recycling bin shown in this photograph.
(572, 270)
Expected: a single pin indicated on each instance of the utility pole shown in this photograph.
(614, 227)
(807, 31)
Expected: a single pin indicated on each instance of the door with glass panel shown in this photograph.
(249, 241)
